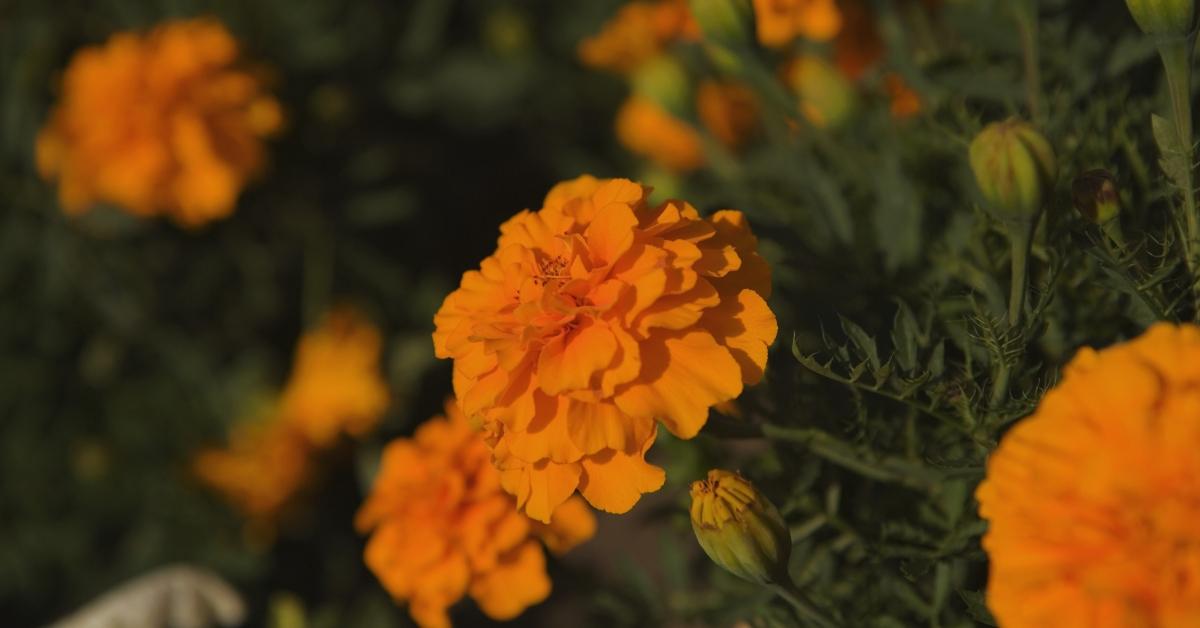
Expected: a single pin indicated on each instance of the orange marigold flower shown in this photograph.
(158, 123)
(1093, 499)
(265, 465)
(648, 130)
(336, 386)
(442, 527)
(858, 46)
(637, 33)
(779, 22)
(729, 111)
(598, 315)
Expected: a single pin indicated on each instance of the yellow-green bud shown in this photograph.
(1095, 195)
(1015, 168)
(740, 529)
(724, 22)
(664, 81)
(827, 99)
(1164, 17)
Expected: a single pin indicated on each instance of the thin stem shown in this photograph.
(1177, 61)
(1027, 24)
(1019, 236)
(805, 609)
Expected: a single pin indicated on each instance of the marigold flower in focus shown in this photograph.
(264, 465)
(779, 22)
(729, 111)
(739, 528)
(639, 32)
(336, 385)
(442, 527)
(648, 130)
(597, 316)
(1092, 501)
(158, 123)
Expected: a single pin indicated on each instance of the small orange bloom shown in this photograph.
(639, 32)
(336, 386)
(779, 22)
(729, 111)
(160, 123)
(648, 130)
(905, 102)
(265, 465)
(1093, 500)
(441, 527)
(597, 316)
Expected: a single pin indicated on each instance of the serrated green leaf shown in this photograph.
(905, 337)
(863, 342)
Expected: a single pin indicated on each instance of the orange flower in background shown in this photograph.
(598, 316)
(858, 46)
(160, 123)
(780, 22)
(638, 32)
(648, 130)
(442, 527)
(729, 111)
(1093, 500)
(905, 103)
(265, 464)
(336, 386)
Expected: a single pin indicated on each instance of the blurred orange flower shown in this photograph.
(779, 22)
(648, 130)
(1092, 501)
(336, 386)
(265, 464)
(906, 103)
(728, 110)
(637, 33)
(598, 315)
(442, 527)
(858, 46)
(160, 123)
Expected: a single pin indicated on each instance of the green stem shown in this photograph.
(1027, 24)
(1177, 61)
(1019, 236)
(806, 610)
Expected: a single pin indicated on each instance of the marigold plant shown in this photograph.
(336, 386)
(161, 123)
(1092, 501)
(598, 315)
(442, 527)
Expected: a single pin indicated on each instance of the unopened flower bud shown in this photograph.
(1015, 168)
(664, 81)
(1095, 196)
(1164, 17)
(826, 98)
(724, 22)
(740, 529)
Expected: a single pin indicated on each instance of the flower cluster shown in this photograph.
(1092, 500)
(598, 315)
(441, 527)
(335, 388)
(162, 123)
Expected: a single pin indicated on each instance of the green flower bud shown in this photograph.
(1164, 17)
(1015, 168)
(724, 22)
(740, 529)
(1095, 196)
(664, 81)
